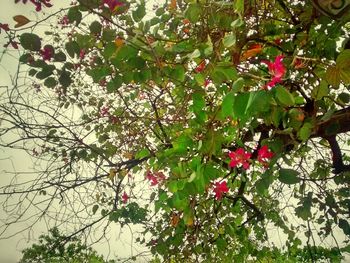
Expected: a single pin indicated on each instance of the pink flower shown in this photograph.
(264, 155)
(276, 69)
(112, 4)
(240, 156)
(47, 53)
(125, 197)
(82, 54)
(200, 67)
(64, 21)
(220, 189)
(104, 112)
(155, 178)
(207, 82)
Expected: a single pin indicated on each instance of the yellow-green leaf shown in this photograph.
(333, 76)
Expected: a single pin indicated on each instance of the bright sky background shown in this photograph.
(12, 160)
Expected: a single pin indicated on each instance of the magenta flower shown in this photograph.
(125, 197)
(104, 111)
(47, 53)
(155, 178)
(112, 4)
(240, 156)
(276, 69)
(82, 54)
(264, 155)
(220, 189)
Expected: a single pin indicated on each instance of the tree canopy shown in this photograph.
(206, 123)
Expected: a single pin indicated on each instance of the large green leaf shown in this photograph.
(30, 41)
(240, 105)
(333, 76)
(139, 13)
(74, 15)
(343, 59)
(227, 105)
(288, 176)
(344, 225)
(284, 96)
(193, 12)
(72, 48)
(229, 40)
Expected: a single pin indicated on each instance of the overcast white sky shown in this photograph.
(11, 160)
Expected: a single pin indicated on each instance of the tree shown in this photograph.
(55, 248)
(205, 122)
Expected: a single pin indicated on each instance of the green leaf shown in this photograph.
(284, 96)
(65, 79)
(99, 73)
(320, 91)
(237, 23)
(74, 15)
(50, 82)
(32, 72)
(172, 186)
(261, 102)
(333, 76)
(344, 97)
(143, 153)
(182, 143)
(229, 40)
(343, 59)
(238, 85)
(72, 48)
(239, 6)
(343, 63)
(188, 217)
(179, 203)
(30, 41)
(221, 244)
(240, 105)
(193, 12)
(288, 176)
(94, 209)
(198, 103)
(227, 105)
(199, 79)
(305, 131)
(60, 57)
(108, 35)
(223, 73)
(139, 13)
(95, 27)
(344, 225)
(178, 73)
(304, 212)
(46, 71)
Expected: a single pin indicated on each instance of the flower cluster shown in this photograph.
(264, 155)
(241, 157)
(47, 53)
(276, 69)
(155, 178)
(220, 189)
(38, 3)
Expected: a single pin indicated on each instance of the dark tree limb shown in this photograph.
(338, 164)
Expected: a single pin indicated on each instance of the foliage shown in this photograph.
(206, 122)
(54, 247)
